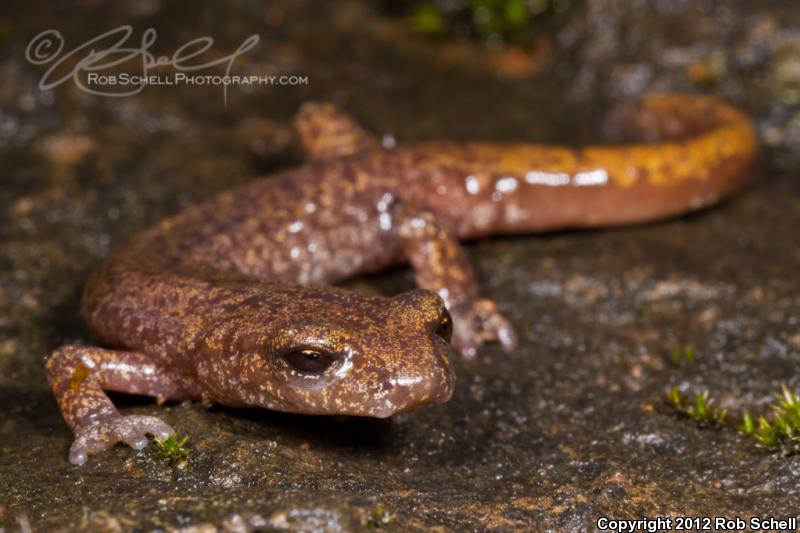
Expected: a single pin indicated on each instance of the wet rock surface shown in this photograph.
(571, 426)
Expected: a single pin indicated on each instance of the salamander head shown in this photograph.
(330, 351)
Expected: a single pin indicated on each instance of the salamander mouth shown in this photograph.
(429, 392)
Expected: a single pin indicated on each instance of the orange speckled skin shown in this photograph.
(229, 301)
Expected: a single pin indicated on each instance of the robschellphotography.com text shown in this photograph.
(697, 523)
(181, 78)
(89, 64)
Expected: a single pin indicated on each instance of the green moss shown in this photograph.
(778, 431)
(701, 410)
(172, 450)
(782, 428)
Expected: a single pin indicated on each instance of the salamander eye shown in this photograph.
(445, 327)
(309, 360)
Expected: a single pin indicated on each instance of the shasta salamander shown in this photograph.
(230, 301)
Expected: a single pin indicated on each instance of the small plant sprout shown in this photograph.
(701, 410)
(766, 434)
(172, 450)
(378, 517)
(748, 425)
(682, 355)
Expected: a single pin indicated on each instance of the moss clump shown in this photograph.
(489, 20)
(429, 20)
(702, 410)
(782, 429)
(172, 450)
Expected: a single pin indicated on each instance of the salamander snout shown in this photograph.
(415, 354)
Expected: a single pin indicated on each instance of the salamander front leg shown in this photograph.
(78, 376)
(440, 265)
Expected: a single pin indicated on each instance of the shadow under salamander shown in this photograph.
(360, 433)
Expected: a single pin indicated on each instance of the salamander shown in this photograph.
(231, 301)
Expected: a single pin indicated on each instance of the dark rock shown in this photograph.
(570, 427)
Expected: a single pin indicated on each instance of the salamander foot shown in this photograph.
(103, 434)
(479, 322)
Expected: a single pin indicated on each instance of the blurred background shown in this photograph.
(574, 424)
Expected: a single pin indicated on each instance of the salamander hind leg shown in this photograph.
(440, 265)
(79, 375)
(326, 132)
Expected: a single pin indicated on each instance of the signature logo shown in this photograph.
(111, 49)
